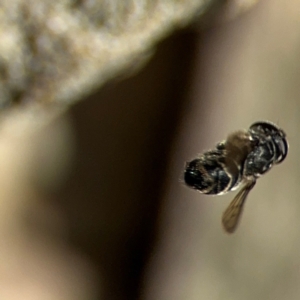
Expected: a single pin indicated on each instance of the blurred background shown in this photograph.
(93, 206)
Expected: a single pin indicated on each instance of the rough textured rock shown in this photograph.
(57, 51)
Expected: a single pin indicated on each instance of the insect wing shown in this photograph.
(233, 212)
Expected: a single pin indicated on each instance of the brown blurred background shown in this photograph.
(94, 204)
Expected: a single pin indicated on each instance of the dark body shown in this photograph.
(242, 157)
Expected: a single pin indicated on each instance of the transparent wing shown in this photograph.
(233, 212)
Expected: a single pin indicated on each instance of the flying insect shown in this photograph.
(239, 160)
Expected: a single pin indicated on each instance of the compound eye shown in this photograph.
(194, 176)
(207, 176)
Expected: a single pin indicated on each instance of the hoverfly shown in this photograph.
(242, 158)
